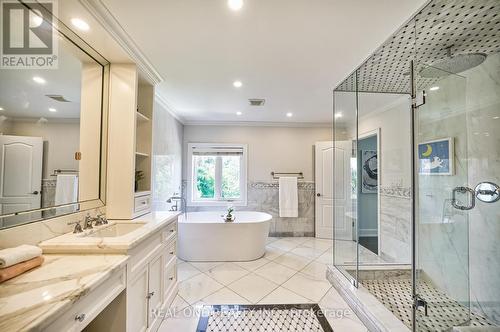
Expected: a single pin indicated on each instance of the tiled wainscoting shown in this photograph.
(263, 197)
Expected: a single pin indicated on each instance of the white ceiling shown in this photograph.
(290, 52)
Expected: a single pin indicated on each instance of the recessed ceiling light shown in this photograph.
(338, 115)
(289, 114)
(235, 4)
(52, 109)
(494, 118)
(80, 24)
(434, 88)
(1, 108)
(239, 113)
(237, 84)
(39, 80)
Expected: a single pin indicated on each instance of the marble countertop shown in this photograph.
(32, 300)
(77, 243)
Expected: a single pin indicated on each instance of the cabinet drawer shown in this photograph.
(83, 311)
(171, 251)
(170, 277)
(142, 203)
(170, 231)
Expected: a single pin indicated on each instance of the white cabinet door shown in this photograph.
(137, 302)
(155, 289)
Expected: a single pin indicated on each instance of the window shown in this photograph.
(217, 174)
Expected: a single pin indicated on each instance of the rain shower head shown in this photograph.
(452, 64)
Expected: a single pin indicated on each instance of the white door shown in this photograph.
(324, 189)
(20, 173)
(329, 214)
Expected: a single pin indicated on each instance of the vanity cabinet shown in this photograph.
(152, 283)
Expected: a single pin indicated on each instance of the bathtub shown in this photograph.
(205, 237)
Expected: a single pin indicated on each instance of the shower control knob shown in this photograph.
(487, 192)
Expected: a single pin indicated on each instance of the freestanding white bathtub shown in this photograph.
(205, 237)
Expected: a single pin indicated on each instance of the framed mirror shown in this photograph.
(52, 131)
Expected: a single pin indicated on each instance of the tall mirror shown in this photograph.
(51, 129)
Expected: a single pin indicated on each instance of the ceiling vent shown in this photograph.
(58, 98)
(257, 102)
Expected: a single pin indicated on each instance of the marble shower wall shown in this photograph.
(263, 197)
(395, 224)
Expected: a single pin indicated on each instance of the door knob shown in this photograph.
(318, 194)
(34, 193)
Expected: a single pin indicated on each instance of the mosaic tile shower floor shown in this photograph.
(443, 312)
(263, 318)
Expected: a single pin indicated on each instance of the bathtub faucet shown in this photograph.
(176, 197)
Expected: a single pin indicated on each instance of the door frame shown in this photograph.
(367, 134)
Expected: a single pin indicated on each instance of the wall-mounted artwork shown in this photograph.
(369, 172)
(436, 157)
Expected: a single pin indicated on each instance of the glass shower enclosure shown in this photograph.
(417, 164)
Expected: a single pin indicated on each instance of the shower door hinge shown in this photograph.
(419, 99)
(419, 302)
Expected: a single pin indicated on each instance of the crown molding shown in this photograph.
(169, 108)
(102, 14)
(260, 124)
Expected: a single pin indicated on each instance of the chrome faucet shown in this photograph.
(101, 220)
(78, 227)
(88, 222)
(176, 197)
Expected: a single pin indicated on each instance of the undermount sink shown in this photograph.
(115, 230)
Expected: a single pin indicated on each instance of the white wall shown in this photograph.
(279, 149)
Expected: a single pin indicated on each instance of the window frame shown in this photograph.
(242, 201)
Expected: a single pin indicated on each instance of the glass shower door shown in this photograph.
(442, 202)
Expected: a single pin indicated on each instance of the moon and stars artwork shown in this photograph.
(436, 157)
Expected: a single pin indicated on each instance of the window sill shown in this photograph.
(217, 203)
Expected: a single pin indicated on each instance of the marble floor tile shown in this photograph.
(307, 286)
(315, 269)
(186, 271)
(319, 244)
(178, 304)
(326, 258)
(275, 272)
(339, 314)
(253, 287)
(198, 287)
(293, 261)
(224, 296)
(187, 320)
(271, 239)
(297, 239)
(227, 273)
(272, 253)
(283, 296)
(308, 252)
(205, 266)
(253, 265)
(284, 244)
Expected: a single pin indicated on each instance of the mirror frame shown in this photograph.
(30, 216)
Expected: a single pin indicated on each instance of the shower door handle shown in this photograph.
(463, 190)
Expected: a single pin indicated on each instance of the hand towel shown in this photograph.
(11, 256)
(66, 189)
(288, 197)
(17, 269)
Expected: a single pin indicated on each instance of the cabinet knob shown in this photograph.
(171, 253)
(80, 317)
(172, 230)
(171, 278)
(150, 295)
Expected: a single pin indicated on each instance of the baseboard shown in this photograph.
(369, 232)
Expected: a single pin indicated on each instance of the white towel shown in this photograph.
(12, 256)
(66, 189)
(289, 197)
